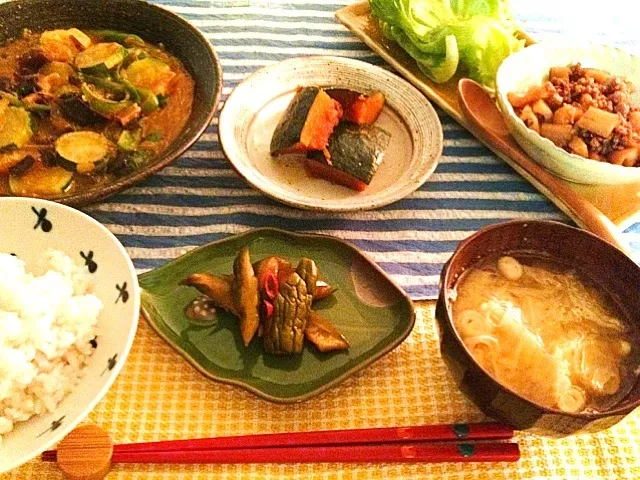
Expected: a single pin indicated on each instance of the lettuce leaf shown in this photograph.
(442, 35)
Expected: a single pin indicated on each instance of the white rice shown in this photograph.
(47, 321)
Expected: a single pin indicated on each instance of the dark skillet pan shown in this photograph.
(155, 25)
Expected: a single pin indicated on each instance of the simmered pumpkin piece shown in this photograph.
(10, 158)
(352, 157)
(358, 107)
(307, 123)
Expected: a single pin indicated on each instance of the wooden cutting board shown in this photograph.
(620, 203)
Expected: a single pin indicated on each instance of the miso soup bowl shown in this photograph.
(569, 246)
(155, 25)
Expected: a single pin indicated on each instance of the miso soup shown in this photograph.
(547, 333)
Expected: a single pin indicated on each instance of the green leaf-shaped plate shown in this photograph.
(370, 310)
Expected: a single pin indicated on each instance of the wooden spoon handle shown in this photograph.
(584, 213)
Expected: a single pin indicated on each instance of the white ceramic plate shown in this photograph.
(530, 66)
(254, 108)
(29, 227)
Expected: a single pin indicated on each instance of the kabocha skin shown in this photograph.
(279, 297)
(284, 329)
(307, 123)
(352, 156)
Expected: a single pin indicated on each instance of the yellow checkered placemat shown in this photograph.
(159, 396)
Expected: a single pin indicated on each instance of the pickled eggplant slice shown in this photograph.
(245, 294)
(100, 56)
(40, 181)
(218, 289)
(323, 334)
(15, 127)
(308, 271)
(283, 331)
(84, 149)
(76, 110)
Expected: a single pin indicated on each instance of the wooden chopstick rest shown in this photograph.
(85, 454)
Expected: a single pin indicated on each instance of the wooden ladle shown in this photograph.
(489, 126)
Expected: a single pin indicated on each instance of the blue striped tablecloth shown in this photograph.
(199, 198)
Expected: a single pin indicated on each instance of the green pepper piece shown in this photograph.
(126, 39)
(148, 100)
(284, 330)
(104, 83)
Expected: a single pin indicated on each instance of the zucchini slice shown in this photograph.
(10, 159)
(84, 149)
(41, 181)
(100, 103)
(61, 68)
(15, 127)
(151, 73)
(101, 55)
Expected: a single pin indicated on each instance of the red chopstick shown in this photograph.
(424, 453)
(334, 443)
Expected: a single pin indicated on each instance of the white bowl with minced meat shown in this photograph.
(601, 148)
(69, 304)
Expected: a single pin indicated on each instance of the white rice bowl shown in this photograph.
(69, 305)
(44, 344)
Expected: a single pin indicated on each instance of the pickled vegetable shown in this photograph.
(245, 294)
(323, 335)
(218, 289)
(284, 330)
(276, 307)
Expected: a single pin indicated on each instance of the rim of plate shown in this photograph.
(66, 429)
(428, 153)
